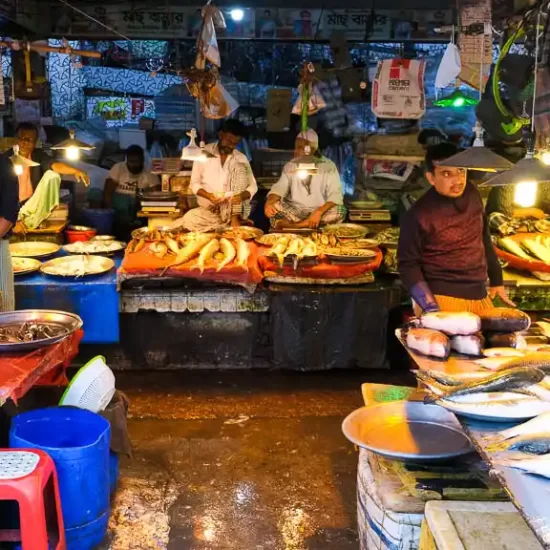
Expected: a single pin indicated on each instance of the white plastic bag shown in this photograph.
(218, 103)
(315, 103)
(449, 68)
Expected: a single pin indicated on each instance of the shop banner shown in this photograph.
(176, 22)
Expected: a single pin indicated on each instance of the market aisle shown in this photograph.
(245, 460)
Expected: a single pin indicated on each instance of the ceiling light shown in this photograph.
(20, 163)
(237, 14)
(525, 193)
(72, 147)
(528, 169)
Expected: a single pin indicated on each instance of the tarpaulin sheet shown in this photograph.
(323, 269)
(42, 367)
(145, 264)
(332, 327)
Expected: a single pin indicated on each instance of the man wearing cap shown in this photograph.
(301, 199)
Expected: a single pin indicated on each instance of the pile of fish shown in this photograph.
(534, 248)
(30, 332)
(297, 248)
(205, 248)
(436, 334)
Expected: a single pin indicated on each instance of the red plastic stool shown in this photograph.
(29, 478)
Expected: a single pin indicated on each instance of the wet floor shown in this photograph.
(247, 460)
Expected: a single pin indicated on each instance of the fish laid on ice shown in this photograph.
(243, 252)
(207, 253)
(537, 425)
(471, 344)
(505, 380)
(504, 319)
(428, 342)
(229, 252)
(505, 340)
(503, 352)
(189, 251)
(538, 465)
(451, 323)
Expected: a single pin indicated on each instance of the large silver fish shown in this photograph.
(451, 323)
(537, 425)
(537, 360)
(539, 465)
(428, 342)
(507, 380)
(538, 444)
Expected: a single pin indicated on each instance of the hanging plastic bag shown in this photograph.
(315, 103)
(207, 43)
(449, 68)
(218, 103)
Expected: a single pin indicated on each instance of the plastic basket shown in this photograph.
(92, 388)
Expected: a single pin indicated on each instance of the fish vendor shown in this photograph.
(223, 184)
(124, 182)
(42, 181)
(300, 199)
(9, 210)
(445, 254)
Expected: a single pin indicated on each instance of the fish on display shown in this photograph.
(492, 363)
(449, 379)
(539, 424)
(471, 344)
(505, 340)
(514, 248)
(504, 319)
(505, 380)
(544, 328)
(207, 253)
(537, 248)
(503, 352)
(229, 252)
(538, 465)
(428, 342)
(537, 360)
(537, 444)
(453, 324)
(189, 251)
(243, 252)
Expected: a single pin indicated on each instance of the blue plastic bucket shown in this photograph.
(113, 471)
(78, 442)
(100, 219)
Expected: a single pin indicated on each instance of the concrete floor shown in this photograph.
(247, 461)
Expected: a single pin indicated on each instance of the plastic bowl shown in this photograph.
(76, 234)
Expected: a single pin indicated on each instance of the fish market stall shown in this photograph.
(490, 389)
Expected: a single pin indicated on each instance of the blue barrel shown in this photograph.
(78, 442)
(114, 468)
(100, 219)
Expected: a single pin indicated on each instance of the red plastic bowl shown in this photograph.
(75, 235)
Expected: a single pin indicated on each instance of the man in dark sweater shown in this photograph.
(445, 253)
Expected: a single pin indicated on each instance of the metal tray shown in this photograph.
(33, 249)
(70, 321)
(409, 431)
(360, 230)
(159, 196)
(76, 248)
(103, 265)
(31, 264)
(247, 233)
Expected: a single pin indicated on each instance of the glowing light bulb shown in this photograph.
(545, 158)
(72, 153)
(302, 174)
(237, 14)
(525, 193)
(458, 102)
(18, 169)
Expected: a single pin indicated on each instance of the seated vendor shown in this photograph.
(306, 200)
(124, 181)
(223, 184)
(39, 178)
(504, 200)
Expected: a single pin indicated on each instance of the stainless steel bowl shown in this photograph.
(80, 228)
(103, 238)
(70, 321)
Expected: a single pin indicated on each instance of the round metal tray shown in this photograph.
(33, 249)
(76, 248)
(70, 321)
(103, 265)
(360, 231)
(408, 431)
(159, 196)
(31, 264)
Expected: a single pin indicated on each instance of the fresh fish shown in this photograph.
(189, 251)
(505, 380)
(537, 249)
(537, 360)
(207, 253)
(172, 245)
(492, 363)
(243, 252)
(544, 328)
(538, 465)
(537, 425)
(451, 323)
(471, 344)
(279, 250)
(538, 444)
(428, 342)
(504, 319)
(295, 246)
(503, 352)
(229, 252)
(449, 379)
(513, 247)
(502, 340)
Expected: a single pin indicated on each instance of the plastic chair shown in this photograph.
(29, 478)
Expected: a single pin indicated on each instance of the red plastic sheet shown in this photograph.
(323, 269)
(146, 264)
(42, 367)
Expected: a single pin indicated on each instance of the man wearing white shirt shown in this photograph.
(300, 200)
(223, 184)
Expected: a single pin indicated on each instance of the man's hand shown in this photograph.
(241, 197)
(314, 220)
(20, 228)
(500, 292)
(82, 177)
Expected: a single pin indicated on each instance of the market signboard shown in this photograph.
(264, 23)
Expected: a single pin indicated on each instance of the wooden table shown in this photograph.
(529, 493)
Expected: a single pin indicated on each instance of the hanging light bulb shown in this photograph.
(72, 147)
(20, 163)
(545, 158)
(193, 152)
(306, 164)
(525, 193)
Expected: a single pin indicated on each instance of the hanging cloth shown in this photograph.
(449, 68)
